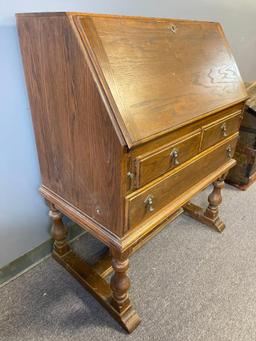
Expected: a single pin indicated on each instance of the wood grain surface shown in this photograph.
(159, 78)
(133, 117)
(151, 165)
(169, 187)
(108, 90)
(216, 132)
(80, 153)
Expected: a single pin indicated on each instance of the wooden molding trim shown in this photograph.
(97, 230)
(141, 232)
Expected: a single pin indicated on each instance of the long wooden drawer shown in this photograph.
(216, 132)
(145, 203)
(151, 165)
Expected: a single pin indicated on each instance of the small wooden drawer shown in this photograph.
(153, 164)
(150, 200)
(216, 132)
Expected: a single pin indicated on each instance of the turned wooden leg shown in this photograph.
(59, 232)
(215, 199)
(113, 296)
(120, 283)
(210, 216)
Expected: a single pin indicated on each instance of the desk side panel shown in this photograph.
(80, 154)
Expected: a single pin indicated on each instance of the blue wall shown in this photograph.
(23, 215)
(24, 223)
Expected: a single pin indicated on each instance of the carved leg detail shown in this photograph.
(215, 199)
(120, 284)
(113, 296)
(59, 232)
(210, 216)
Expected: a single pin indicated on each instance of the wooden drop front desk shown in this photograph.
(133, 117)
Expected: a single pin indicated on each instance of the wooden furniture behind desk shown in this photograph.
(243, 174)
(133, 116)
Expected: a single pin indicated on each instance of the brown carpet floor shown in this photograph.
(188, 283)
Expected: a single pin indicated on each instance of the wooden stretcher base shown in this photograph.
(93, 278)
(113, 295)
(98, 287)
(198, 213)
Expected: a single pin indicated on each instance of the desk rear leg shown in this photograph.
(59, 232)
(210, 216)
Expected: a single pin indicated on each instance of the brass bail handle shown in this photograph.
(229, 152)
(149, 203)
(224, 129)
(174, 157)
(173, 28)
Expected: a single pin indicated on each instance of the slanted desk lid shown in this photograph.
(159, 74)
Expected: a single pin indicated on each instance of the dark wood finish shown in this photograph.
(111, 98)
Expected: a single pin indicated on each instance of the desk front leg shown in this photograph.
(114, 296)
(120, 284)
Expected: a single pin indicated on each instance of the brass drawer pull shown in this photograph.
(224, 129)
(131, 179)
(149, 203)
(173, 28)
(130, 175)
(174, 156)
(229, 152)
